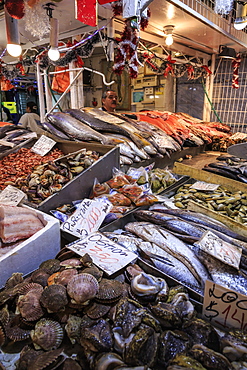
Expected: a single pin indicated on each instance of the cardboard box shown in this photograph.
(27, 256)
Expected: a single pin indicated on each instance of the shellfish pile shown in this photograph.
(67, 314)
(49, 178)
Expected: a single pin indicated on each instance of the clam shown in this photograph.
(54, 298)
(145, 285)
(109, 291)
(209, 358)
(96, 335)
(142, 349)
(81, 288)
(47, 334)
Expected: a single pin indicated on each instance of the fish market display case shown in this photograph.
(28, 255)
(80, 186)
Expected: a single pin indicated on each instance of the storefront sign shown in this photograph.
(105, 253)
(11, 196)
(224, 307)
(87, 218)
(220, 249)
(201, 185)
(43, 145)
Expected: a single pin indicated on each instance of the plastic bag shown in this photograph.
(99, 189)
(60, 81)
(133, 192)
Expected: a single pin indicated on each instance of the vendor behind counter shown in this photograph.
(30, 119)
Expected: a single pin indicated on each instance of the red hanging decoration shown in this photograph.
(190, 71)
(170, 67)
(144, 20)
(235, 77)
(15, 8)
(117, 8)
(206, 69)
(127, 51)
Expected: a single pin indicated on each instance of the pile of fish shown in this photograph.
(231, 167)
(221, 200)
(167, 240)
(139, 136)
(48, 178)
(68, 315)
(11, 136)
(221, 144)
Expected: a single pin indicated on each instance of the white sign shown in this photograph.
(87, 218)
(224, 307)
(201, 185)
(43, 145)
(11, 196)
(105, 253)
(220, 249)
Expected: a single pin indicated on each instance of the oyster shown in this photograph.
(96, 334)
(109, 291)
(167, 315)
(81, 288)
(73, 328)
(186, 362)
(142, 349)
(172, 343)
(108, 360)
(184, 306)
(145, 285)
(54, 298)
(50, 266)
(234, 345)
(13, 280)
(209, 358)
(47, 334)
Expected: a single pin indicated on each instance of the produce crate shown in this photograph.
(81, 185)
(27, 256)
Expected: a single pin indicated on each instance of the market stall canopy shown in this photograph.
(192, 30)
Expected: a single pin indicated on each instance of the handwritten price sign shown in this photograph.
(201, 185)
(224, 307)
(87, 218)
(11, 196)
(43, 145)
(106, 254)
(225, 252)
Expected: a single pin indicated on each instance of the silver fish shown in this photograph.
(76, 129)
(171, 245)
(126, 150)
(223, 274)
(125, 160)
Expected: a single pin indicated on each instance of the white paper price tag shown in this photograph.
(43, 145)
(87, 218)
(201, 185)
(224, 307)
(11, 196)
(220, 249)
(105, 253)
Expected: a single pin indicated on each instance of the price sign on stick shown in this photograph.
(201, 185)
(87, 218)
(105, 253)
(11, 196)
(43, 145)
(218, 248)
(224, 307)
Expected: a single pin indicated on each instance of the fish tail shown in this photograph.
(113, 141)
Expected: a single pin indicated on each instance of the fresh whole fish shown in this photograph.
(54, 131)
(5, 129)
(125, 160)
(171, 245)
(76, 129)
(223, 274)
(126, 150)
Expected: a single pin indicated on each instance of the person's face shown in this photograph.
(110, 102)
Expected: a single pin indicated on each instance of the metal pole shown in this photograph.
(41, 93)
(48, 95)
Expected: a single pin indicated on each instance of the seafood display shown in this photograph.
(233, 205)
(48, 178)
(232, 167)
(21, 164)
(221, 144)
(11, 136)
(67, 314)
(139, 136)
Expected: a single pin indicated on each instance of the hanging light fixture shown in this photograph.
(241, 15)
(53, 52)
(168, 30)
(13, 37)
(227, 53)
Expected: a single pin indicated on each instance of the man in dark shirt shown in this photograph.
(109, 101)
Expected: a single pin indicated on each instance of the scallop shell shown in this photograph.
(35, 287)
(40, 276)
(17, 334)
(50, 266)
(97, 310)
(51, 360)
(82, 288)
(95, 271)
(29, 306)
(14, 279)
(71, 262)
(65, 276)
(2, 336)
(54, 298)
(4, 315)
(109, 291)
(47, 334)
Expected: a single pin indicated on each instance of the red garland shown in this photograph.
(235, 64)
(170, 67)
(117, 8)
(148, 59)
(127, 51)
(207, 69)
(190, 71)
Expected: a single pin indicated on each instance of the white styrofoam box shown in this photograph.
(28, 255)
